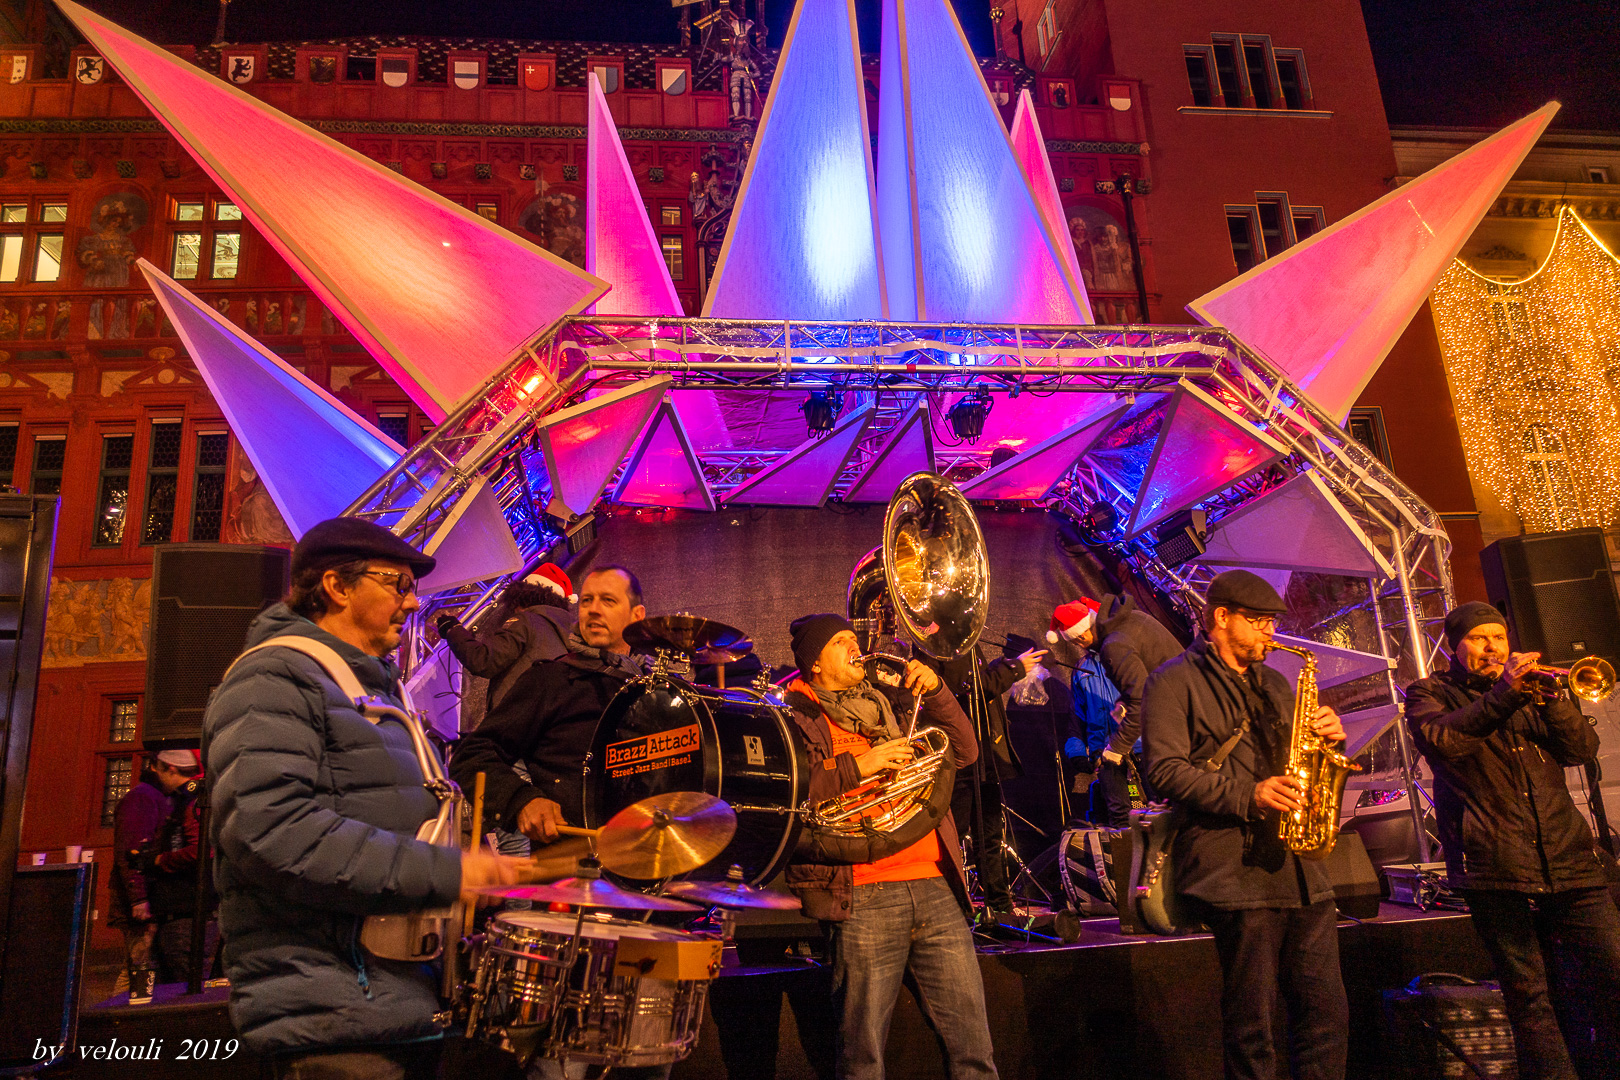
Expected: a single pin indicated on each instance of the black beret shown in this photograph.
(1244, 590)
(344, 539)
(1464, 617)
(811, 634)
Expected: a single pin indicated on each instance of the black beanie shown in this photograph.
(1464, 617)
(811, 634)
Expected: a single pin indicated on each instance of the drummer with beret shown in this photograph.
(316, 810)
(890, 912)
(1271, 912)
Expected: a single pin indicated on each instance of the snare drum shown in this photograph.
(632, 995)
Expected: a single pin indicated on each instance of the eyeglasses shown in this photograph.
(1259, 622)
(404, 584)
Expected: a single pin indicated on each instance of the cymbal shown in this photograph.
(664, 835)
(733, 894)
(688, 635)
(589, 892)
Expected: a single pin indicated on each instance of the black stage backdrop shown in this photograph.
(758, 569)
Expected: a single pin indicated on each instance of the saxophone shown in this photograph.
(1321, 770)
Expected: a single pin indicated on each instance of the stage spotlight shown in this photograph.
(1181, 538)
(968, 415)
(1101, 518)
(821, 411)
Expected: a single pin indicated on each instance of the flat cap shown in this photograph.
(1245, 590)
(1464, 617)
(344, 539)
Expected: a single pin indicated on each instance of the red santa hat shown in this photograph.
(551, 576)
(1072, 619)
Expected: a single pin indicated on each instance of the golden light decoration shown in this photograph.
(1535, 371)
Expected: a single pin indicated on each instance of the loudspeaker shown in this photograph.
(204, 596)
(1558, 594)
(45, 941)
(1355, 882)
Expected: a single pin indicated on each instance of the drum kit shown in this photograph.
(695, 797)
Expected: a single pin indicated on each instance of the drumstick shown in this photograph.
(575, 830)
(477, 841)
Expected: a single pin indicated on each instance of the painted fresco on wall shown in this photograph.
(1102, 250)
(107, 253)
(558, 219)
(97, 622)
(251, 516)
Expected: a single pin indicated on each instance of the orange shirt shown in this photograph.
(920, 860)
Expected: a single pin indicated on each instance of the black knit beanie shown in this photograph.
(1464, 617)
(810, 635)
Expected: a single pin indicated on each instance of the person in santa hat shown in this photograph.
(530, 624)
(1130, 643)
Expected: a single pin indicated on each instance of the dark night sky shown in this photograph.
(1477, 63)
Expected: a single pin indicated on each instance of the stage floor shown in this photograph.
(1108, 1005)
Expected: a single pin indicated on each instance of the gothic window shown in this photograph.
(1551, 486)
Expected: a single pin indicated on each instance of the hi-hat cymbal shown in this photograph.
(664, 835)
(689, 635)
(733, 894)
(589, 892)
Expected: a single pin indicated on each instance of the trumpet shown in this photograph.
(1591, 678)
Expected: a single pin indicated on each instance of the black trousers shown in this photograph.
(1555, 955)
(1294, 951)
(984, 851)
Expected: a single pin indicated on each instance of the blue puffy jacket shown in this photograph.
(315, 811)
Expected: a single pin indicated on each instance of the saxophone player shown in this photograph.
(1515, 844)
(1271, 912)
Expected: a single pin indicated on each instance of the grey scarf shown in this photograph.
(861, 710)
(631, 666)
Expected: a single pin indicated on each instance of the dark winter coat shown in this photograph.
(995, 679)
(1131, 644)
(1228, 853)
(1506, 818)
(137, 820)
(546, 721)
(826, 890)
(502, 654)
(315, 811)
(171, 862)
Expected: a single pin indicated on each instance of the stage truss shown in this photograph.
(889, 367)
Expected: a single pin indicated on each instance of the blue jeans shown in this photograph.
(1295, 950)
(1521, 931)
(895, 928)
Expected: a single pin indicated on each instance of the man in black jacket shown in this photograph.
(1131, 644)
(1271, 912)
(1515, 844)
(548, 718)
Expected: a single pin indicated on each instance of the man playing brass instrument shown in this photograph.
(905, 912)
(1515, 844)
(1271, 912)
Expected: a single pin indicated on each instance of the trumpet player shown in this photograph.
(1216, 728)
(1498, 735)
(903, 912)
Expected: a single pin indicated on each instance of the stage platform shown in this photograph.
(1109, 1005)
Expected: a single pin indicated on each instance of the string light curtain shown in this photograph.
(1535, 371)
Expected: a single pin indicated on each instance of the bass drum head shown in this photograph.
(660, 734)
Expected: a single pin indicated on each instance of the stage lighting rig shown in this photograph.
(968, 415)
(1181, 538)
(821, 411)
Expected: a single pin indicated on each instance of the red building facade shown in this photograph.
(1264, 124)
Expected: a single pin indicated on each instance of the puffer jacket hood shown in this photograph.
(315, 810)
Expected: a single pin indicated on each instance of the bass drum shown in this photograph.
(662, 734)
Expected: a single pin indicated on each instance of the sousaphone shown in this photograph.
(935, 590)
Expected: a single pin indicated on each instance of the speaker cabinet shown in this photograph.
(1558, 594)
(1355, 882)
(46, 933)
(204, 597)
